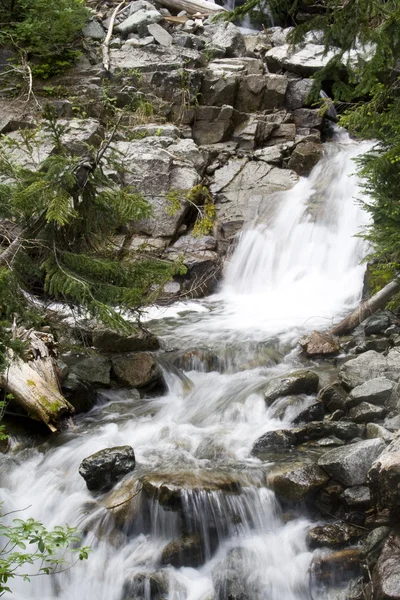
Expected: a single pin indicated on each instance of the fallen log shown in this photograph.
(193, 6)
(367, 308)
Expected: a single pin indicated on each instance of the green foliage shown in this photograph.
(200, 198)
(27, 544)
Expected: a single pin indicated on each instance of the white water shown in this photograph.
(299, 271)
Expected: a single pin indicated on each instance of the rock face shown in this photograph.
(105, 468)
(136, 370)
(384, 477)
(386, 575)
(295, 483)
(350, 464)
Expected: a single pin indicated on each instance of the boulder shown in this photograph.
(94, 31)
(350, 464)
(280, 439)
(107, 340)
(314, 412)
(337, 567)
(377, 323)
(304, 61)
(149, 585)
(138, 21)
(386, 575)
(124, 503)
(375, 391)
(105, 468)
(274, 92)
(358, 496)
(297, 93)
(293, 483)
(137, 369)
(368, 365)
(333, 396)
(230, 39)
(299, 382)
(212, 124)
(373, 430)
(384, 477)
(161, 36)
(317, 343)
(92, 369)
(303, 159)
(81, 394)
(186, 551)
(344, 430)
(366, 412)
(333, 536)
(309, 118)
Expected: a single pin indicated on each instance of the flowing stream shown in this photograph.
(292, 272)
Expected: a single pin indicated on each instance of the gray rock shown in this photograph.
(94, 31)
(212, 124)
(336, 535)
(376, 324)
(375, 391)
(369, 365)
(365, 412)
(304, 157)
(230, 39)
(138, 21)
(232, 577)
(350, 465)
(136, 370)
(308, 117)
(293, 483)
(374, 542)
(304, 61)
(93, 369)
(149, 585)
(392, 423)
(384, 477)
(186, 551)
(357, 496)
(105, 468)
(81, 394)
(373, 430)
(278, 36)
(314, 412)
(333, 396)
(160, 34)
(297, 93)
(344, 430)
(386, 575)
(274, 440)
(108, 340)
(299, 382)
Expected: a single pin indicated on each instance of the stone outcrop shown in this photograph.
(105, 468)
(350, 465)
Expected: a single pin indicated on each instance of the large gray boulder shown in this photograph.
(304, 61)
(105, 468)
(304, 157)
(384, 477)
(366, 412)
(299, 382)
(375, 391)
(368, 365)
(230, 39)
(350, 464)
(386, 575)
(108, 340)
(138, 369)
(297, 92)
(293, 483)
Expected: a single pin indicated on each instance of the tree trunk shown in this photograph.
(367, 308)
(192, 6)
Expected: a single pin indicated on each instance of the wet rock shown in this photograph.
(344, 430)
(365, 412)
(299, 382)
(232, 576)
(303, 159)
(186, 551)
(108, 340)
(358, 496)
(92, 369)
(197, 359)
(81, 394)
(376, 324)
(229, 37)
(149, 585)
(350, 464)
(373, 430)
(384, 477)
(105, 468)
(293, 483)
(374, 391)
(386, 575)
(138, 369)
(124, 503)
(337, 567)
(333, 396)
(316, 343)
(274, 440)
(314, 412)
(374, 542)
(333, 536)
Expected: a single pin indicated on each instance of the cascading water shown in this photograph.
(290, 274)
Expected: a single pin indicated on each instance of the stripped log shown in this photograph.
(192, 6)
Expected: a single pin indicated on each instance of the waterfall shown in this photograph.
(292, 273)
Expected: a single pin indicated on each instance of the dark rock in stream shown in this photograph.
(350, 464)
(293, 483)
(335, 535)
(344, 430)
(281, 439)
(333, 397)
(107, 340)
(314, 412)
(186, 551)
(105, 468)
(138, 369)
(299, 382)
(146, 585)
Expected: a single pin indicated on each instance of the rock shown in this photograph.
(376, 324)
(336, 567)
(228, 37)
(316, 343)
(232, 577)
(299, 382)
(186, 551)
(314, 412)
(375, 391)
(333, 396)
(309, 118)
(374, 542)
(333, 536)
(386, 575)
(297, 92)
(124, 503)
(357, 371)
(136, 370)
(357, 496)
(304, 158)
(149, 585)
(274, 440)
(350, 464)
(293, 483)
(274, 93)
(108, 340)
(81, 394)
(384, 477)
(94, 31)
(160, 34)
(392, 423)
(304, 61)
(344, 430)
(92, 369)
(365, 412)
(373, 430)
(212, 124)
(105, 468)
(139, 21)
(278, 36)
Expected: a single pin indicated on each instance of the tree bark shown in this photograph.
(367, 308)
(193, 6)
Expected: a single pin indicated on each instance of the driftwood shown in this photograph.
(367, 308)
(192, 6)
(106, 43)
(34, 385)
